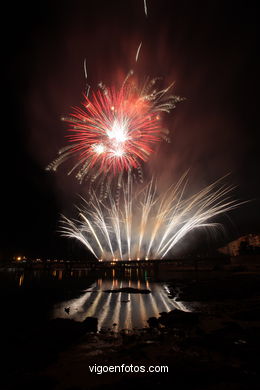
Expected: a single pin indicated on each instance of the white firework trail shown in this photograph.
(145, 8)
(143, 224)
(87, 88)
(138, 51)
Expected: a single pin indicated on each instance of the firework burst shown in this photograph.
(143, 224)
(116, 130)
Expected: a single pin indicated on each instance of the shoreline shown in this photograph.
(221, 340)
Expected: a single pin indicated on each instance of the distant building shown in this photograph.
(242, 245)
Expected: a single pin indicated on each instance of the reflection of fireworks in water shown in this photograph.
(116, 130)
(144, 225)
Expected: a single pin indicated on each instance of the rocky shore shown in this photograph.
(216, 346)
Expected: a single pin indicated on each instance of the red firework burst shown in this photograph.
(114, 131)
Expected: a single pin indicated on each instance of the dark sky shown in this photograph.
(209, 48)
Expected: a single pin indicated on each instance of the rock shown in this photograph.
(129, 290)
(96, 352)
(163, 313)
(67, 310)
(229, 330)
(178, 318)
(240, 342)
(153, 322)
(248, 315)
(90, 324)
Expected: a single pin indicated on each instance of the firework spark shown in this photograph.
(145, 8)
(116, 130)
(87, 87)
(138, 51)
(143, 224)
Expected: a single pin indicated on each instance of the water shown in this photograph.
(42, 295)
(126, 310)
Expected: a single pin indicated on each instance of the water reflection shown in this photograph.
(30, 276)
(83, 292)
(21, 279)
(127, 310)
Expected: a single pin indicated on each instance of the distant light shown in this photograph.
(21, 279)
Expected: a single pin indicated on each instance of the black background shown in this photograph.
(208, 48)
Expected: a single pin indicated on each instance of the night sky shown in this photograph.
(208, 48)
